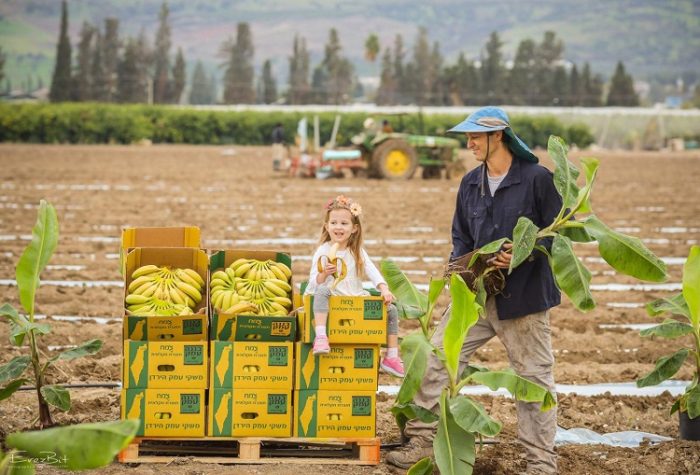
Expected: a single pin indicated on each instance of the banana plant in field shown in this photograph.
(685, 304)
(460, 419)
(24, 327)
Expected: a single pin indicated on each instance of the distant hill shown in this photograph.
(651, 37)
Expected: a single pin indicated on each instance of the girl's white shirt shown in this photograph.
(352, 283)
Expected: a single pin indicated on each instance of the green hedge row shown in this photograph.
(86, 123)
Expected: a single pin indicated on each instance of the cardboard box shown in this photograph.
(181, 328)
(350, 320)
(175, 364)
(250, 413)
(319, 413)
(188, 236)
(165, 412)
(345, 367)
(227, 327)
(183, 258)
(252, 364)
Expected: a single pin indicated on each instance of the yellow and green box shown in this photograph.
(331, 413)
(248, 412)
(174, 364)
(227, 327)
(252, 364)
(175, 257)
(346, 366)
(165, 412)
(350, 320)
(188, 236)
(178, 328)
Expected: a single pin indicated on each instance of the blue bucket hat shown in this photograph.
(489, 119)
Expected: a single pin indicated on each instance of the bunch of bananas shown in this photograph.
(163, 291)
(253, 287)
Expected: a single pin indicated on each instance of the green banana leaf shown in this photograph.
(489, 248)
(415, 349)
(626, 254)
(676, 305)
(36, 255)
(665, 368)
(423, 467)
(521, 388)
(88, 348)
(668, 329)
(57, 396)
(565, 173)
(13, 463)
(11, 388)
(82, 446)
(472, 417)
(691, 285)
(404, 290)
(570, 273)
(435, 288)
(14, 368)
(693, 402)
(574, 232)
(464, 314)
(406, 412)
(524, 238)
(454, 447)
(590, 168)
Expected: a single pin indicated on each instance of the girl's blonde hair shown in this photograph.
(355, 241)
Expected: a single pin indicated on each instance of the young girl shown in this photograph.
(342, 228)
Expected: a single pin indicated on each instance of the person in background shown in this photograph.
(278, 149)
(342, 228)
(386, 127)
(509, 183)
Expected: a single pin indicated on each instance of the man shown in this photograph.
(278, 148)
(508, 184)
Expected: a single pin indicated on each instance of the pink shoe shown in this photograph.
(321, 346)
(393, 366)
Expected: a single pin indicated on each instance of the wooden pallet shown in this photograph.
(254, 450)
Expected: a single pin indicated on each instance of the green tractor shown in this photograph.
(396, 156)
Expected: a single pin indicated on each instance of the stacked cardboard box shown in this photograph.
(252, 364)
(335, 394)
(165, 365)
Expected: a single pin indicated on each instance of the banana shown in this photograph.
(219, 283)
(242, 307)
(142, 288)
(187, 278)
(242, 269)
(275, 307)
(226, 301)
(133, 299)
(282, 284)
(190, 290)
(194, 275)
(144, 270)
(274, 288)
(332, 252)
(238, 263)
(277, 272)
(175, 296)
(232, 276)
(283, 301)
(283, 267)
(149, 291)
(219, 274)
(139, 281)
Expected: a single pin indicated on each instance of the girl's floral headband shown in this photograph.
(343, 202)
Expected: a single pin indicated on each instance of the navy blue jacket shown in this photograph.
(527, 190)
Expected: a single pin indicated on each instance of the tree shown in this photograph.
(592, 88)
(2, 64)
(386, 93)
(200, 93)
(492, 71)
(162, 61)
(298, 73)
(239, 75)
(560, 87)
(422, 66)
(179, 78)
(575, 89)
(399, 71)
(100, 82)
(371, 47)
(319, 78)
(130, 87)
(110, 60)
(462, 82)
(622, 89)
(269, 84)
(337, 71)
(521, 86)
(82, 79)
(61, 81)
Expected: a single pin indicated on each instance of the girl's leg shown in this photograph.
(320, 307)
(392, 362)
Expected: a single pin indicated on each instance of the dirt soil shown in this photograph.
(236, 199)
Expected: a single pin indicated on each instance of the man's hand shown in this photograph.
(502, 258)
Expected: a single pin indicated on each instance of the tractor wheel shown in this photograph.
(395, 160)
